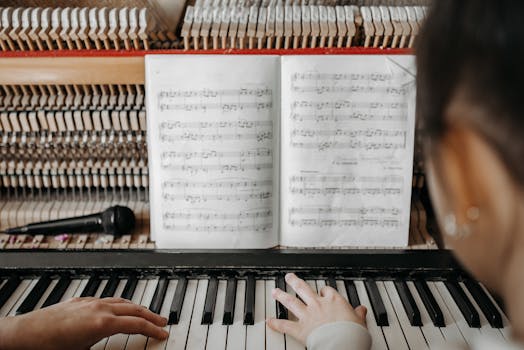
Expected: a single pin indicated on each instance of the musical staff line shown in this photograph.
(229, 197)
(259, 152)
(348, 117)
(371, 133)
(329, 191)
(370, 222)
(242, 215)
(195, 136)
(224, 107)
(326, 145)
(216, 184)
(351, 89)
(244, 124)
(344, 210)
(210, 93)
(218, 228)
(345, 104)
(345, 178)
(222, 168)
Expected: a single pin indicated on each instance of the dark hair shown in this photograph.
(477, 46)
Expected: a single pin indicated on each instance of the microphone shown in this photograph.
(115, 220)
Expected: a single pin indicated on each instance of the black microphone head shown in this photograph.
(118, 220)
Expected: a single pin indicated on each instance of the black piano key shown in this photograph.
(461, 299)
(409, 304)
(34, 295)
(91, 286)
(351, 291)
(331, 282)
(377, 304)
(229, 305)
(281, 309)
(430, 303)
(110, 287)
(8, 289)
(129, 288)
(160, 293)
(211, 297)
(178, 300)
(249, 302)
(485, 304)
(58, 291)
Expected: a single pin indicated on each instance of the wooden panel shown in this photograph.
(71, 70)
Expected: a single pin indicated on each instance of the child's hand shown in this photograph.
(78, 324)
(314, 311)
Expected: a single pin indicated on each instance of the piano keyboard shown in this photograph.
(214, 307)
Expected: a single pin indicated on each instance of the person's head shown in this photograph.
(470, 97)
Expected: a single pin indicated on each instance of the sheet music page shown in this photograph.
(213, 150)
(347, 150)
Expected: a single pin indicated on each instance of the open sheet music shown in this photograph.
(260, 151)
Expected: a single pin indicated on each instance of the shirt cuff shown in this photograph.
(339, 335)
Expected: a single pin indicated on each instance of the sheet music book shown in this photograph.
(256, 151)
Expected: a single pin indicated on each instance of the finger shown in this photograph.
(302, 289)
(328, 292)
(112, 300)
(289, 301)
(361, 312)
(129, 309)
(137, 325)
(284, 326)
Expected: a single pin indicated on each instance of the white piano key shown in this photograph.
(342, 289)
(120, 288)
(485, 327)
(393, 333)
(320, 284)
(156, 344)
(312, 284)
(139, 341)
(46, 294)
(24, 295)
(377, 335)
(196, 339)
(100, 288)
(13, 299)
(100, 345)
(256, 334)
(118, 341)
(468, 333)
(413, 335)
(274, 340)
(178, 332)
(292, 343)
(236, 334)
(80, 288)
(71, 290)
(506, 331)
(217, 334)
(432, 334)
(451, 332)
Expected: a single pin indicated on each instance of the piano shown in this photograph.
(73, 142)
(221, 299)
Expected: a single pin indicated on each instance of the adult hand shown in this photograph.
(313, 310)
(78, 324)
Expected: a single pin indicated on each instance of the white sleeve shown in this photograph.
(338, 336)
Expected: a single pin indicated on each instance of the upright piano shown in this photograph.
(73, 142)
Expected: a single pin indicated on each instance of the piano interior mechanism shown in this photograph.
(73, 141)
